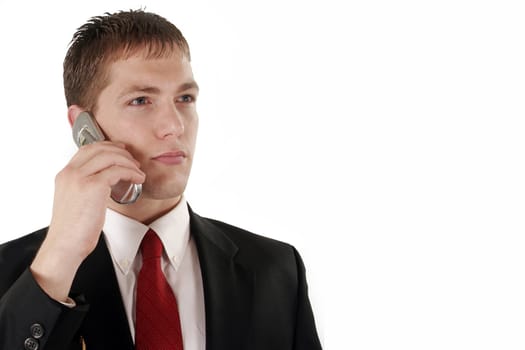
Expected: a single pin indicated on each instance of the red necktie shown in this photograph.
(157, 316)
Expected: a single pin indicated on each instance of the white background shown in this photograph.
(384, 139)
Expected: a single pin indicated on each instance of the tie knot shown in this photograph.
(151, 246)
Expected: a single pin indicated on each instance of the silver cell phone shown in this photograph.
(86, 131)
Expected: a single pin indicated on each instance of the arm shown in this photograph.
(27, 314)
(306, 337)
(82, 191)
(34, 296)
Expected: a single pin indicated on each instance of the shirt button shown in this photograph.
(125, 263)
(31, 344)
(37, 331)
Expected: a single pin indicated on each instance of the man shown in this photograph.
(151, 274)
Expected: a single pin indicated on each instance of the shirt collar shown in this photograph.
(123, 235)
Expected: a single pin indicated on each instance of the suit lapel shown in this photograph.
(106, 325)
(228, 286)
(228, 290)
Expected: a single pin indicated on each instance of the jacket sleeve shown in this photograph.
(30, 319)
(306, 337)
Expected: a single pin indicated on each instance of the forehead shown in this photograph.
(142, 68)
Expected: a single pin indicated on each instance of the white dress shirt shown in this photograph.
(180, 264)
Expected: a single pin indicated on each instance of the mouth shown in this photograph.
(171, 158)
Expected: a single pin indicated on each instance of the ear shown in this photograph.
(72, 113)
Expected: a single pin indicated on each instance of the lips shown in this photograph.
(171, 158)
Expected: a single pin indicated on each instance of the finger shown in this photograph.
(103, 161)
(111, 176)
(88, 152)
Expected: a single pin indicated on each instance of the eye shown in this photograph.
(186, 99)
(139, 101)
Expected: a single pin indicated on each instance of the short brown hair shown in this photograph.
(108, 38)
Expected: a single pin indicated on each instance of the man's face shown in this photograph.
(149, 105)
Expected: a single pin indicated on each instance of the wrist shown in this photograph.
(54, 269)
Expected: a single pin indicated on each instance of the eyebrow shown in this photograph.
(154, 90)
(188, 86)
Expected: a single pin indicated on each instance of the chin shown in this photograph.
(167, 191)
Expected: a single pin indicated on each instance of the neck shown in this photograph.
(145, 210)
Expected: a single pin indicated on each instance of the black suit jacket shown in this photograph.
(255, 296)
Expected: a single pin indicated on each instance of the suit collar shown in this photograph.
(228, 286)
(207, 230)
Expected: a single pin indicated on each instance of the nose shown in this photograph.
(169, 122)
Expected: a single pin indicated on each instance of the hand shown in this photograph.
(82, 191)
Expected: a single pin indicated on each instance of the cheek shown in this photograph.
(110, 125)
(133, 136)
(136, 144)
(191, 131)
(127, 130)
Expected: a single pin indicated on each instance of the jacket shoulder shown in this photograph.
(17, 255)
(255, 250)
(248, 239)
(24, 244)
